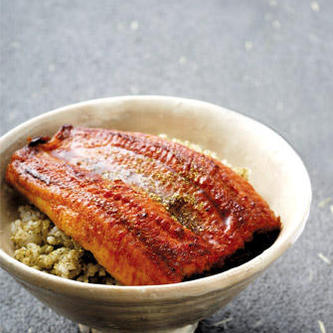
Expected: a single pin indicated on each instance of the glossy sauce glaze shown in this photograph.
(150, 210)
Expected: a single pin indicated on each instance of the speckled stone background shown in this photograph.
(271, 60)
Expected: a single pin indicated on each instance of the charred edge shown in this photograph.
(64, 132)
(38, 140)
(37, 175)
(261, 241)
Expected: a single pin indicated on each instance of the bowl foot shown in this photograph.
(185, 329)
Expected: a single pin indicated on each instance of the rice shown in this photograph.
(40, 244)
(243, 172)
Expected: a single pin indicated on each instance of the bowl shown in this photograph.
(278, 174)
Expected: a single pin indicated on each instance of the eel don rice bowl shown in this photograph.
(133, 213)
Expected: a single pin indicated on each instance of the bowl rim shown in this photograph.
(204, 285)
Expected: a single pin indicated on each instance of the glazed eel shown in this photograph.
(151, 211)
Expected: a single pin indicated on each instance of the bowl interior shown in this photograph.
(277, 172)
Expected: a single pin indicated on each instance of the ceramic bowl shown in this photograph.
(278, 174)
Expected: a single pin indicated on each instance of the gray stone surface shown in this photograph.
(271, 60)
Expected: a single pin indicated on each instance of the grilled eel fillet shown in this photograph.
(150, 210)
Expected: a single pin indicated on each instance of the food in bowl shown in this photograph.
(40, 244)
(151, 211)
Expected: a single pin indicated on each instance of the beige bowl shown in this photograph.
(277, 173)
